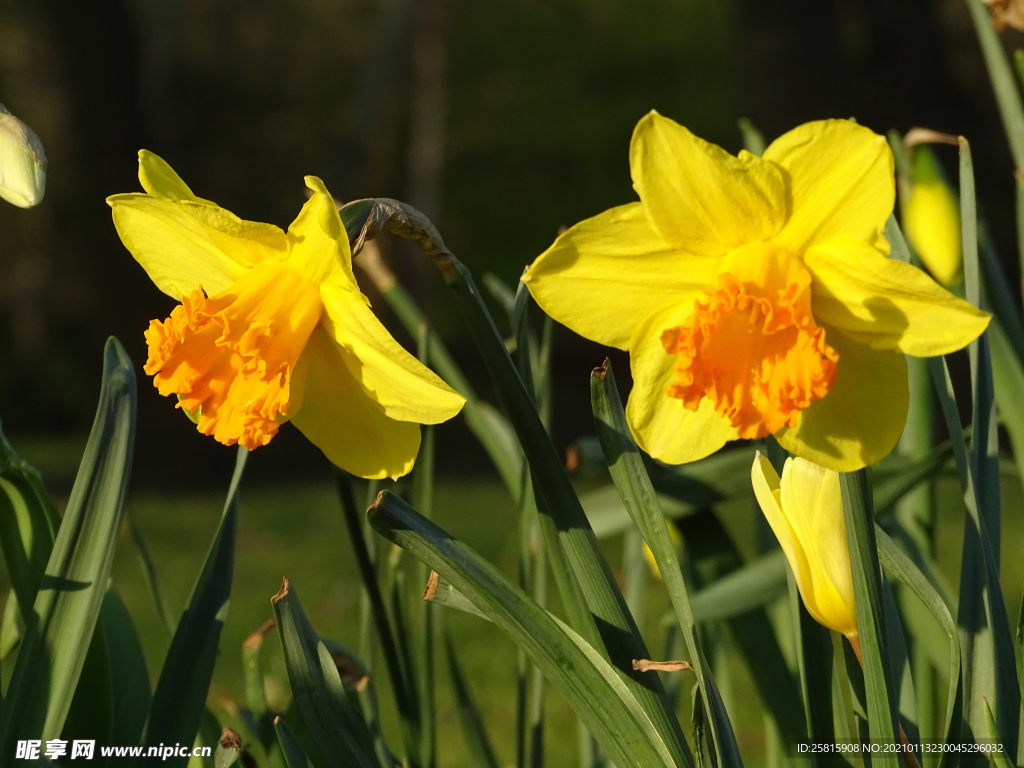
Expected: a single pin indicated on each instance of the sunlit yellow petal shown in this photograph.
(700, 198)
(403, 387)
(812, 503)
(247, 242)
(160, 180)
(861, 418)
(342, 421)
(176, 250)
(607, 274)
(320, 248)
(767, 485)
(841, 183)
(662, 425)
(888, 304)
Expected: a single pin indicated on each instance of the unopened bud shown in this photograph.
(931, 219)
(22, 162)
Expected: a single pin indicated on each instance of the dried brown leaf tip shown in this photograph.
(431, 589)
(646, 665)
(230, 739)
(1006, 13)
(282, 592)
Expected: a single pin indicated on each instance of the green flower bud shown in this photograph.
(931, 219)
(22, 162)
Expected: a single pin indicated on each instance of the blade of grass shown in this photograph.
(609, 718)
(473, 729)
(638, 497)
(711, 553)
(401, 684)
(180, 696)
(67, 604)
(336, 728)
(987, 643)
(293, 754)
(152, 579)
(129, 676)
(879, 686)
(28, 524)
(903, 569)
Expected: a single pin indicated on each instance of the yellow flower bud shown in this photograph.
(805, 510)
(22, 162)
(931, 219)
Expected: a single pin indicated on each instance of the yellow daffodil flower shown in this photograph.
(754, 294)
(931, 218)
(273, 327)
(805, 510)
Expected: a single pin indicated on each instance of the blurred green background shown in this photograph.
(503, 121)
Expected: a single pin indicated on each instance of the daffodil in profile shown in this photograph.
(931, 218)
(272, 327)
(754, 294)
(805, 511)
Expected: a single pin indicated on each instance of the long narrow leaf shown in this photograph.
(473, 729)
(637, 494)
(900, 567)
(67, 605)
(28, 524)
(180, 695)
(338, 731)
(566, 667)
(879, 686)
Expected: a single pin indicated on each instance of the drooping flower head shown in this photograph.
(272, 327)
(754, 294)
(805, 511)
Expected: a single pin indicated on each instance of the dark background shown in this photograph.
(502, 120)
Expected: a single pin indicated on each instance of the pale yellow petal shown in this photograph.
(861, 418)
(319, 242)
(888, 304)
(605, 275)
(342, 421)
(841, 183)
(766, 484)
(160, 180)
(175, 249)
(813, 505)
(404, 388)
(700, 198)
(661, 425)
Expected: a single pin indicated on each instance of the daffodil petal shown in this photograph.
(661, 425)
(176, 249)
(766, 484)
(160, 180)
(861, 418)
(768, 491)
(404, 388)
(841, 183)
(343, 421)
(319, 242)
(813, 505)
(888, 304)
(700, 198)
(605, 275)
